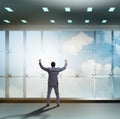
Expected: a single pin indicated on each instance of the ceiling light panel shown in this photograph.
(111, 9)
(45, 9)
(23, 21)
(67, 9)
(104, 21)
(87, 21)
(6, 21)
(89, 9)
(52, 21)
(8, 9)
(69, 21)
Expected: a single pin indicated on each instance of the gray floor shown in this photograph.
(65, 111)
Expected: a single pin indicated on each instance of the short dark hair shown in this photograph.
(53, 64)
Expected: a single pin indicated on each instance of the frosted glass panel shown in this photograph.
(76, 87)
(36, 87)
(16, 53)
(33, 52)
(103, 88)
(16, 87)
(2, 53)
(116, 87)
(2, 87)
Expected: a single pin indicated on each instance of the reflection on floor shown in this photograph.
(65, 111)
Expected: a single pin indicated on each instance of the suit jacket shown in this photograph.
(53, 74)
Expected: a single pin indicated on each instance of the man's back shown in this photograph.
(53, 74)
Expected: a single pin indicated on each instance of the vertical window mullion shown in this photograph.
(7, 64)
(24, 64)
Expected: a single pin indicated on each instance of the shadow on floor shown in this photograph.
(38, 112)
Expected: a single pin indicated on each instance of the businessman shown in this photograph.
(53, 80)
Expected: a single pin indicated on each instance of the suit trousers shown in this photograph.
(56, 92)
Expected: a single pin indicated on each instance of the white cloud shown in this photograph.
(88, 67)
(106, 69)
(117, 71)
(76, 43)
(91, 67)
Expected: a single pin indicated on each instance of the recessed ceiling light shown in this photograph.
(104, 21)
(87, 21)
(45, 9)
(6, 21)
(67, 9)
(89, 9)
(69, 21)
(111, 9)
(23, 21)
(52, 21)
(8, 9)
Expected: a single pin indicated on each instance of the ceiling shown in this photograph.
(31, 11)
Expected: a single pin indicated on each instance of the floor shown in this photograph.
(64, 111)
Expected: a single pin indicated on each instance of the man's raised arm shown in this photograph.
(41, 66)
(65, 65)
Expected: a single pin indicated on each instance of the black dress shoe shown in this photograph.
(47, 105)
(58, 105)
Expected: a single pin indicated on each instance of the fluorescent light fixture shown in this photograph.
(52, 21)
(104, 21)
(67, 9)
(69, 21)
(87, 21)
(89, 9)
(45, 9)
(6, 21)
(23, 21)
(111, 9)
(8, 9)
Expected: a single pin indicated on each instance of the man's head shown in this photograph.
(53, 64)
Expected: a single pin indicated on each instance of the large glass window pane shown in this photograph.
(116, 55)
(33, 52)
(2, 64)
(16, 53)
(50, 47)
(103, 55)
(2, 53)
(77, 47)
(2, 87)
(16, 87)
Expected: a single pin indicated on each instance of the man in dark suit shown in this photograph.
(53, 80)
